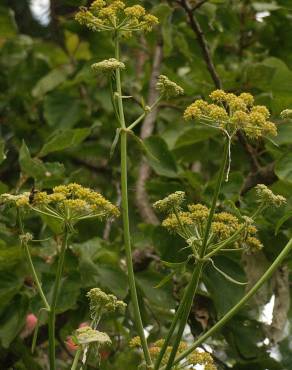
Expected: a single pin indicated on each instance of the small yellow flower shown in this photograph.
(135, 342)
(218, 95)
(247, 98)
(136, 11)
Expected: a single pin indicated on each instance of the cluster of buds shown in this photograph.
(67, 203)
(100, 303)
(171, 202)
(232, 113)
(268, 198)
(168, 88)
(198, 357)
(114, 15)
(108, 65)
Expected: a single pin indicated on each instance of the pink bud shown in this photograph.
(71, 346)
(30, 323)
(83, 324)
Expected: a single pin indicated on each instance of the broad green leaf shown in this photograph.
(225, 294)
(164, 163)
(284, 134)
(282, 220)
(195, 135)
(51, 81)
(46, 174)
(283, 168)
(13, 319)
(10, 284)
(62, 110)
(9, 256)
(113, 279)
(147, 281)
(64, 139)
(31, 166)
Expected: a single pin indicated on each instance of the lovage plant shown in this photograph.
(206, 230)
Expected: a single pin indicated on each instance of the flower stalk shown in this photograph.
(186, 303)
(125, 211)
(266, 276)
(52, 312)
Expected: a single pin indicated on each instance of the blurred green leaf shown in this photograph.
(64, 139)
(62, 110)
(283, 168)
(163, 162)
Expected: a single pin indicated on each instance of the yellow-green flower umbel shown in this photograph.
(114, 15)
(231, 113)
(68, 203)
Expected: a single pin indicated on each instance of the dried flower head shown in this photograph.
(112, 15)
(267, 197)
(232, 113)
(171, 202)
(168, 88)
(108, 65)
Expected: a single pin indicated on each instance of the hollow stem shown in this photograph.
(125, 215)
(267, 275)
(199, 267)
(52, 313)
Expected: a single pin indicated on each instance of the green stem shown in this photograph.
(125, 214)
(76, 359)
(35, 277)
(267, 275)
(198, 270)
(52, 313)
(31, 266)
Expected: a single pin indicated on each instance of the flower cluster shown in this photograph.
(168, 88)
(100, 303)
(171, 202)
(114, 15)
(69, 203)
(198, 357)
(191, 224)
(232, 113)
(286, 113)
(108, 65)
(86, 335)
(267, 197)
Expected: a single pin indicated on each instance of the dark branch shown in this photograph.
(202, 41)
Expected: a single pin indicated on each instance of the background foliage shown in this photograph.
(57, 125)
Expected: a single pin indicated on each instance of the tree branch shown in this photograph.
(201, 40)
(147, 128)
